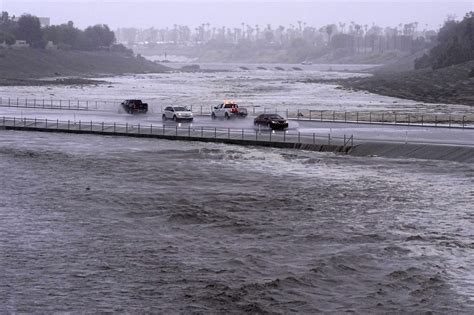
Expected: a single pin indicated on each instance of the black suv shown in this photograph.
(135, 106)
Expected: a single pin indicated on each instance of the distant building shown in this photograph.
(19, 44)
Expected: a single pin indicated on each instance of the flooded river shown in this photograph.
(103, 224)
(261, 86)
(97, 224)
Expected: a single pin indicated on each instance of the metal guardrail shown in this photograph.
(179, 131)
(358, 117)
(51, 103)
(389, 117)
(203, 133)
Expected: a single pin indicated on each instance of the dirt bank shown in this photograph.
(452, 85)
(26, 65)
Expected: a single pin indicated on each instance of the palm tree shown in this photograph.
(365, 37)
(357, 27)
(330, 30)
(281, 30)
(342, 25)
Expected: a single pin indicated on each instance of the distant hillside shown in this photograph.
(400, 64)
(38, 63)
(445, 74)
(455, 45)
(453, 84)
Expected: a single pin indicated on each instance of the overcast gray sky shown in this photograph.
(162, 13)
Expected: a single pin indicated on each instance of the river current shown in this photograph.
(109, 224)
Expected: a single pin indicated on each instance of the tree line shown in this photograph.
(66, 36)
(347, 38)
(455, 45)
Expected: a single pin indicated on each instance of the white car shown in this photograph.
(177, 113)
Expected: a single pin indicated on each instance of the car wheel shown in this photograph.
(227, 116)
(175, 118)
(163, 117)
(213, 116)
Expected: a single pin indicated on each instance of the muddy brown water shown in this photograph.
(102, 224)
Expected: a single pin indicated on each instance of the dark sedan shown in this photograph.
(134, 106)
(273, 121)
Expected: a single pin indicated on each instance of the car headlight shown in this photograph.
(179, 114)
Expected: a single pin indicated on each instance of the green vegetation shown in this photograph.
(444, 75)
(455, 45)
(79, 53)
(65, 36)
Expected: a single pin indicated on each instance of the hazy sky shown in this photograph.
(162, 13)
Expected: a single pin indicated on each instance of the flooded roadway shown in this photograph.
(110, 224)
(361, 132)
